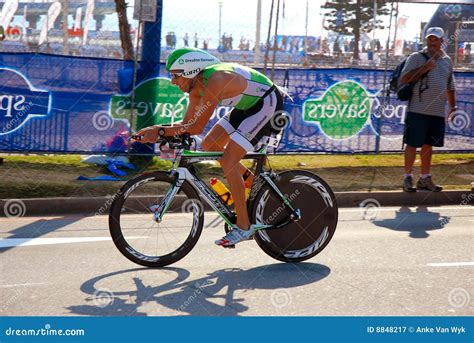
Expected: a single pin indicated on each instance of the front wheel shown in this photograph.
(302, 239)
(143, 240)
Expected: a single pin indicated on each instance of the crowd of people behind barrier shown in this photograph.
(337, 50)
(293, 50)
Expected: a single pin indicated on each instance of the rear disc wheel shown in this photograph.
(302, 239)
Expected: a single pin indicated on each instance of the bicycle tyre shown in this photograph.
(118, 210)
(304, 239)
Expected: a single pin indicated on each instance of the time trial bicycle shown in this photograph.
(161, 229)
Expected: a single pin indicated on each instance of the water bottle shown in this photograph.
(247, 183)
(221, 191)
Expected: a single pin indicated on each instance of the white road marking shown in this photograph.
(16, 242)
(387, 209)
(29, 284)
(450, 264)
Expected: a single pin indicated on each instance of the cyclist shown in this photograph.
(255, 100)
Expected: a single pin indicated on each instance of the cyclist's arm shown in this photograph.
(220, 86)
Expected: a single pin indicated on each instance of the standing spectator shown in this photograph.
(292, 43)
(242, 43)
(346, 46)
(297, 43)
(352, 45)
(205, 44)
(378, 46)
(284, 43)
(196, 40)
(433, 81)
(460, 53)
(467, 53)
(186, 40)
(223, 40)
(173, 40)
(325, 46)
(336, 49)
(230, 41)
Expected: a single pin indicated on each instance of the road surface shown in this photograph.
(391, 262)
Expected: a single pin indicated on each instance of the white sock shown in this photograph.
(424, 176)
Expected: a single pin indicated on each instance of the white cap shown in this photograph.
(435, 31)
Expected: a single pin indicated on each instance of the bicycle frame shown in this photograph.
(184, 170)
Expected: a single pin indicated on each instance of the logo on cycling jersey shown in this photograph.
(346, 108)
(20, 101)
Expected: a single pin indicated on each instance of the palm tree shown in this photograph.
(124, 26)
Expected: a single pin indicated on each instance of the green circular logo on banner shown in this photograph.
(342, 111)
(156, 102)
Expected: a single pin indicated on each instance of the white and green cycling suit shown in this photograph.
(252, 110)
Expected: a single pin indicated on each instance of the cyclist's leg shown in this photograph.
(218, 138)
(250, 125)
(230, 162)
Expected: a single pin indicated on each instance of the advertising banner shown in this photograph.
(69, 104)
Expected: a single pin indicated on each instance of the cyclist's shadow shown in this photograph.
(212, 295)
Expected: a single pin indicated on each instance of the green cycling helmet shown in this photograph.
(190, 60)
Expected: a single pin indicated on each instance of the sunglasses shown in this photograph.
(174, 76)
